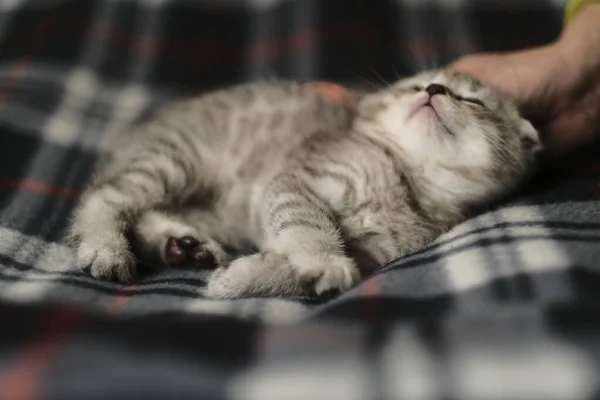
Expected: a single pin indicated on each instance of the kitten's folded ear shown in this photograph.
(530, 137)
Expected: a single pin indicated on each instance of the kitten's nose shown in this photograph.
(435, 88)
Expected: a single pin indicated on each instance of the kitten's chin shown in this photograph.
(427, 122)
(425, 115)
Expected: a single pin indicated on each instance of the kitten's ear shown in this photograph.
(530, 137)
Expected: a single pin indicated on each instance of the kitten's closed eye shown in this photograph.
(472, 101)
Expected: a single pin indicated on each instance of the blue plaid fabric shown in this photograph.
(502, 307)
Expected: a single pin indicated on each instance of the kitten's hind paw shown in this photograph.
(160, 236)
(190, 250)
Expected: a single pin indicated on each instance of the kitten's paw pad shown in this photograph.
(327, 273)
(191, 250)
(188, 249)
(109, 263)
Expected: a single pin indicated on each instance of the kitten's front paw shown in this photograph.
(257, 275)
(326, 272)
(107, 261)
(236, 280)
(272, 274)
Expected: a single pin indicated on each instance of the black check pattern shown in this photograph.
(503, 306)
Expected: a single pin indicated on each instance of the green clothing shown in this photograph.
(574, 6)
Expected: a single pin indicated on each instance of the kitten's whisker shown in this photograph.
(396, 74)
(502, 149)
(373, 85)
(421, 59)
(383, 80)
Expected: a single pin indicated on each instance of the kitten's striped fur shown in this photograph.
(318, 187)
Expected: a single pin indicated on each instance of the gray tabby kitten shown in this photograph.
(319, 187)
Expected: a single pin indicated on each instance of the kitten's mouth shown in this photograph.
(425, 103)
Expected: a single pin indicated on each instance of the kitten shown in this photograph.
(326, 191)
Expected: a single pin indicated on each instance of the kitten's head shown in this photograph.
(464, 143)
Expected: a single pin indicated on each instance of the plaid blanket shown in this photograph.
(503, 306)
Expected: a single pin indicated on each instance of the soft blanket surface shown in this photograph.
(503, 306)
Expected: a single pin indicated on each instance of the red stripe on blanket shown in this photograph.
(28, 185)
(372, 294)
(121, 300)
(357, 33)
(208, 51)
(23, 379)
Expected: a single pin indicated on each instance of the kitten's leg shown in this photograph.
(271, 274)
(150, 178)
(375, 248)
(166, 237)
(303, 251)
(260, 274)
(384, 239)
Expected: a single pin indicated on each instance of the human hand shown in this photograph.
(556, 86)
